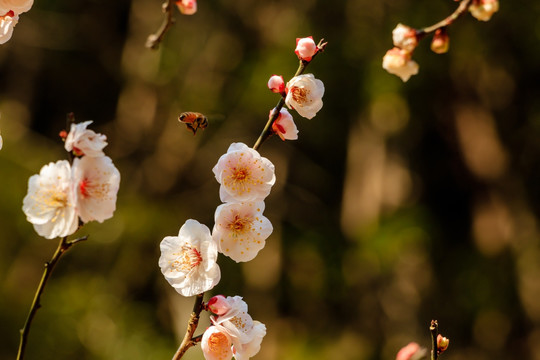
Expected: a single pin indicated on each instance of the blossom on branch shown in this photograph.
(284, 125)
(83, 141)
(96, 182)
(276, 84)
(188, 261)
(244, 174)
(216, 344)
(305, 48)
(187, 7)
(245, 333)
(50, 202)
(483, 10)
(404, 37)
(398, 62)
(240, 229)
(304, 94)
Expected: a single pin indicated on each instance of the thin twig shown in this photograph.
(462, 8)
(63, 246)
(154, 40)
(189, 340)
(434, 329)
(267, 131)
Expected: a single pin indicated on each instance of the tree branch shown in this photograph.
(154, 40)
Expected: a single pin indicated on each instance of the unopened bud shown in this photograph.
(412, 351)
(440, 42)
(305, 48)
(442, 343)
(484, 9)
(404, 37)
(218, 305)
(276, 84)
(187, 7)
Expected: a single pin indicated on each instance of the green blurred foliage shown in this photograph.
(399, 203)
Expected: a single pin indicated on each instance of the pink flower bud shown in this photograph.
(412, 351)
(305, 48)
(187, 7)
(284, 125)
(442, 343)
(440, 42)
(276, 84)
(218, 305)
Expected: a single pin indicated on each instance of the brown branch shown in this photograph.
(154, 40)
(189, 340)
(462, 8)
(63, 246)
(434, 329)
(267, 131)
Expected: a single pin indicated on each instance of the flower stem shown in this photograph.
(189, 340)
(434, 329)
(267, 131)
(463, 6)
(63, 246)
(154, 40)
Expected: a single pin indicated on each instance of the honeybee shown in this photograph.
(193, 120)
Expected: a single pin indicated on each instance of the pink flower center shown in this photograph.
(240, 224)
(240, 174)
(83, 187)
(189, 258)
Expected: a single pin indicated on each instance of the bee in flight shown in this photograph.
(193, 120)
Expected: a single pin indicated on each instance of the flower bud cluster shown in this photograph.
(9, 16)
(64, 194)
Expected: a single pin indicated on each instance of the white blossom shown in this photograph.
(83, 141)
(284, 125)
(7, 23)
(50, 204)
(404, 37)
(17, 6)
(304, 94)
(96, 182)
(244, 174)
(188, 261)
(398, 62)
(240, 229)
(216, 344)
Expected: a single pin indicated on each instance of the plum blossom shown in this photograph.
(276, 84)
(240, 229)
(187, 7)
(216, 344)
(398, 62)
(7, 23)
(305, 48)
(483, 10)
(244, 174)
(188, 261)
(17, 6)
(218, 305)
(284, 125)
(50, 202)
(83, 141)
(411, 351)
(304, 94)
(404, 37)
(96, 182)
(245, 333)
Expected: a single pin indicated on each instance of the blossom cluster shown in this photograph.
(302, 93)
(9, 16)
(398, 60)
(63, 194)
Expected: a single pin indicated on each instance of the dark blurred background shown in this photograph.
(398, 204)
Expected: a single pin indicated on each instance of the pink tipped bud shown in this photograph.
(305, 48)
(276, 84)
(218, 305)
(412, 351)
(483, 10)
(284, 125)
(442, 343)
(187, 7)
(440, 42)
